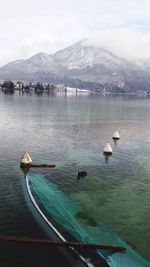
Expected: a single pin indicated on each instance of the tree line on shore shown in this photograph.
(11, 86)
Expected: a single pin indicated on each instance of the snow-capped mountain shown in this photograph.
(81, 55)
(82, 61)
(93, 63)
(37, 63)
(144, 64)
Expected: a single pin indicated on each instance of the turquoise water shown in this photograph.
(78, 223)
(72, 131)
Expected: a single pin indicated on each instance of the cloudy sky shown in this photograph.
(31, 26)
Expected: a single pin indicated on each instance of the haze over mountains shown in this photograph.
(82, 65)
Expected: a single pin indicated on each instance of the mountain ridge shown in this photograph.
(80, 62)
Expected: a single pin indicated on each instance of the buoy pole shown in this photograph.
(28, 166)
(62, 243)
(44, 165)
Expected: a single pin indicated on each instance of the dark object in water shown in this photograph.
(26, 167)
(81, 174)
(42, 165)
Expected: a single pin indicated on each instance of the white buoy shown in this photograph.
(107, 149)
(25, 159)
(116, 135)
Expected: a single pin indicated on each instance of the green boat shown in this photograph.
(71, 221)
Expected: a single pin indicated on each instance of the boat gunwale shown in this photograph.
(89, 264)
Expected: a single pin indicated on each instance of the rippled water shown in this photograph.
(71, 131)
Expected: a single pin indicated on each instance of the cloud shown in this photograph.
(127, 43)
(31, 26)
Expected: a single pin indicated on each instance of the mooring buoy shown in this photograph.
(116, 136)
(107, 150)
(25, 160)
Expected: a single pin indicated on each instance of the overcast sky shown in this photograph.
(31, 26)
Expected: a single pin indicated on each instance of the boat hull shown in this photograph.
(67, 213)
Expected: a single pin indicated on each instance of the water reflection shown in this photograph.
(107, 158)
(8, 92)
(115, 141)
(39, 92)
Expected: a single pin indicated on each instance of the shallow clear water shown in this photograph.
(71, 131)
(70, 217)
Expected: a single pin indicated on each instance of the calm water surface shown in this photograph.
(71, 131)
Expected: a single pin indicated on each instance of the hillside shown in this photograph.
(79, 65)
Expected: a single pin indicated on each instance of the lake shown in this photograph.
(71, 131)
